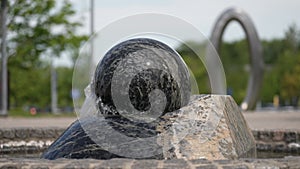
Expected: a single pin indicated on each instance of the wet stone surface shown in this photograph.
(210, 126)
(136, 68)
(214, 129)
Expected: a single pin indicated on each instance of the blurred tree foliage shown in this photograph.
(195, 64)
(42, 28)
(283, 77)
(39, 29)
(282, 68)
(64, 85)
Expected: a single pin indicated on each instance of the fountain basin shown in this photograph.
(269, 143)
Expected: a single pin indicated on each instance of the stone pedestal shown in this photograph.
(210, 126)
(217, 130)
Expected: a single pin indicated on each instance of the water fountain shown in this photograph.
(140, 105)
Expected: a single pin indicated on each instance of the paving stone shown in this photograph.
(115, 163)
(8, 134)
(16, 163)
(36, 133)
(222, 161)
(77, 164)
(138, 164)
(200, 161)
(263, 146)
(207, 167)
(39, 166)
(236, 167)
(279, 147)
(21, 133)
(175, 163)
(278, 136)
(264, 135)
(10, 166)
(290, 137)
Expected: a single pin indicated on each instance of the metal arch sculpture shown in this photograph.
(257, 64)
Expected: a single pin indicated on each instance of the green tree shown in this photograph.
(235, 59)
(38, 28)
(64, 85)
(235, 62)
(195, 64)
(282, 71)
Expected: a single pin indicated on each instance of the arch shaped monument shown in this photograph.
(255, 47)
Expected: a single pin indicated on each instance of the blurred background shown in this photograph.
(40, 41)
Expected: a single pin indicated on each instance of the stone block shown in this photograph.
(265, 136)
(8, 134)
(278, 136)
(262, 146)
(150, 164)
(210, 126)
(36, 133)
(290, 137)
(21, 133)
(218, 130)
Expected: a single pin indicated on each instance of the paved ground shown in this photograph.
(273, 120)
(8, 122)
(256, 120)
(289, 162)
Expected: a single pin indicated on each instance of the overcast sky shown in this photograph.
(271, 17)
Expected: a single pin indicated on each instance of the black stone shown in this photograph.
(76, 143)
(145, 81)
(142, 84)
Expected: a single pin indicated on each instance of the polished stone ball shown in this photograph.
(135, 84)
(141, 75)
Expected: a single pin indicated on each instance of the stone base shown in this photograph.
(218, 130)
(210, 126)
